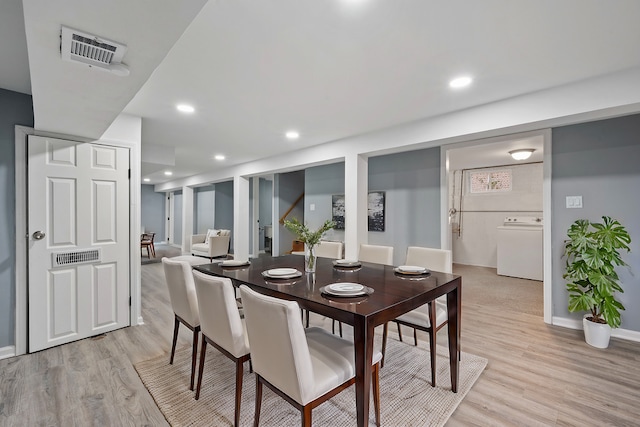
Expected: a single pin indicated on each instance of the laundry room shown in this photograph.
(495, 202)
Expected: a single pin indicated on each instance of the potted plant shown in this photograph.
(592, 254)
(309, 238)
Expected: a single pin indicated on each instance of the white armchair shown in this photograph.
(213, 244)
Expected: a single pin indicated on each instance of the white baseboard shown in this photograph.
(624, 334)
(6, 352)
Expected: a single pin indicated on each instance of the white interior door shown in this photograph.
(78, 240)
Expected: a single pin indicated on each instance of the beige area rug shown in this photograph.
(407, 398)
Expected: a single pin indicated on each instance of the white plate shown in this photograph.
(234, 263)
(411, 269)
(277, 272)
(346, 263)
(280, 276)
(345, 289)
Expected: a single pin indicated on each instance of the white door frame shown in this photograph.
(445, 230)
(135, 314)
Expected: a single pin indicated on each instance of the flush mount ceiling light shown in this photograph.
(292, 134)
(184, 108)
(219, 157)
(522, 154)
(146, 180)
(460, 82)
(168, 173)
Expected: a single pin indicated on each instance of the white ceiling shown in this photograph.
(330, 69)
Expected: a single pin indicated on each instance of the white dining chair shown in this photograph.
(376, 254)
(222, 327)
(328, 249)
(184, 301)
(434, 313)
(370, 253)
(304, 366)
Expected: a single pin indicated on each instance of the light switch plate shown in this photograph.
(574, 202)
(312, 207)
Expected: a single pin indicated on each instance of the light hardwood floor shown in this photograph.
(537, 374)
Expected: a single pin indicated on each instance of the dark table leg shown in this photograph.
(363, 343)
(454, 305)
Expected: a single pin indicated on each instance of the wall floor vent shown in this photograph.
(94, 51)
(82, 256)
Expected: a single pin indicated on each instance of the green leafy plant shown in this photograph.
(310, 238)
(592, 255)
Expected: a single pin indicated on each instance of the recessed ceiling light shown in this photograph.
(185, 108)
(146, 180)
(168, 173)
(292, 134)
(219, 157)
(460, 82)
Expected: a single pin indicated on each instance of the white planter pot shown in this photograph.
(596, 334)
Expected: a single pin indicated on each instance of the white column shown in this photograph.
(187, 218)
(241, 225)
(255, 214)
(356, 184)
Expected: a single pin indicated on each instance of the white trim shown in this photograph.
(625, 334)
(445, 227)
(566, 323)
(6, 352)
(255, 217)
(21, 309)
(20, 338)
(170, 208)
(547, 262)
(446, 240)
(135, 258)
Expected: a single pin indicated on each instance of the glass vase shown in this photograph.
(310, 259)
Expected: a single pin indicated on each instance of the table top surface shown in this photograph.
(390, 289)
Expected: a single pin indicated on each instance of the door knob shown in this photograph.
(38, 235)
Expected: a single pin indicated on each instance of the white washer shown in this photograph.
(520, 248)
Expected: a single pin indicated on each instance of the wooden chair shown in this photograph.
(222, 327)
(146, 241)
(432, 316)
(303, 366)
(184, 301)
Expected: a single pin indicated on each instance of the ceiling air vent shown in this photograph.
(94, 51)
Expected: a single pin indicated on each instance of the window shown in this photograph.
(489, 182)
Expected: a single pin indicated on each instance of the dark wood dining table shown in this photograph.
(393, 294)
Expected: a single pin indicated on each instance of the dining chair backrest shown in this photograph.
(182, 291)
(219, 316)
(326, 249)
(376, 254)
(279, 348)
(147, 237)
(431, 258)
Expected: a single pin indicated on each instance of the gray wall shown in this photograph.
(15, 109)
(152, 215)
(411, 182)
(288, 187)
(224, 207)
(204, 202)
(321, 183)
(599, 161)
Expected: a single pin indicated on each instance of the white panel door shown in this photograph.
(78, 240)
